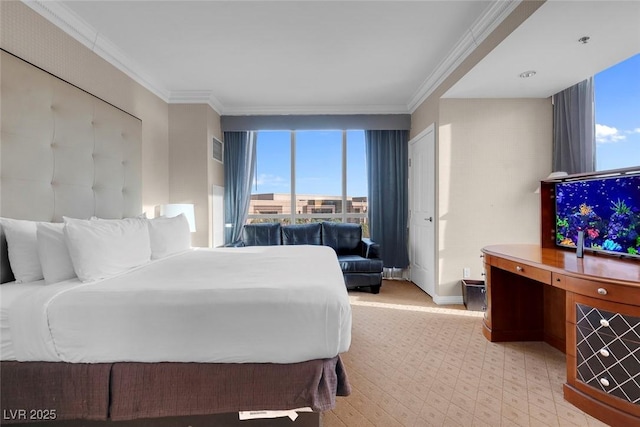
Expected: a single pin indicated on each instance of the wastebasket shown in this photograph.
(474, 295)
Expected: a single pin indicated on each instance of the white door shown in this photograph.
(422, 210)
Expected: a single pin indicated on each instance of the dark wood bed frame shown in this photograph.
(309, 419)
(166, 394)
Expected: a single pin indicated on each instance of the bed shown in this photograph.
(199, 334)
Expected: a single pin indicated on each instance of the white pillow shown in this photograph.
(23, 249)
(143, 215)
(100, 249)
(169, 235)
(53, 253)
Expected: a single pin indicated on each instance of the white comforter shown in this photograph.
(279, 304)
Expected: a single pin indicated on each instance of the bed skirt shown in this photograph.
(31, 391)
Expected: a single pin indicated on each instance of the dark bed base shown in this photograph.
(148, 392)
(305, 419)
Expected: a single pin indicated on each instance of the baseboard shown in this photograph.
(452, 300)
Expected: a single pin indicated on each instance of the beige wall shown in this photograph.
(479, 198)
(215, 170)
(192, 170)
(31, 37)
(492, 155)
(180, 171)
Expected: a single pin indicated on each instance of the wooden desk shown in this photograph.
(589, 308)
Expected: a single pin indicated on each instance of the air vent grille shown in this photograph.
(216, 150)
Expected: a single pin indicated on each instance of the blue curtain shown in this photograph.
(388, 179)
(239, 166)
(574, 145)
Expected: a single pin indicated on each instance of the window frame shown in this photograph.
(294, 217)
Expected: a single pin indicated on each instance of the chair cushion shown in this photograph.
(262, 234)
(302, 234)
(357, 264)
(344, 238)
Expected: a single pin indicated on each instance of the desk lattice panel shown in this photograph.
(620, 340)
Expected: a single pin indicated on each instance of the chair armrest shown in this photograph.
(236, 244)
(369, 249)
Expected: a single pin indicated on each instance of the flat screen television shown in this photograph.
(606, 209)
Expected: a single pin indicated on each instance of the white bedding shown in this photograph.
(278, 304)
(9, 293)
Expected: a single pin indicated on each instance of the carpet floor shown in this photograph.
(415, 363)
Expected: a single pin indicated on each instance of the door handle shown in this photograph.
(430, 219)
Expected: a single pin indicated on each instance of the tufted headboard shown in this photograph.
(63, 151)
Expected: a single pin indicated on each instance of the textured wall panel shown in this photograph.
(64, 151)
(28, 35)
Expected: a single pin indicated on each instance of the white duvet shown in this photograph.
(278, 304)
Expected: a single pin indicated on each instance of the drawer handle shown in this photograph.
(602, 291)
(604, 322)
(520, 269)
(604, 382)
(604, 352)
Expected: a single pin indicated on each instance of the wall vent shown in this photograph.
(216, 150)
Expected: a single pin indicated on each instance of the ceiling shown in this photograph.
(301, 57)
(547, 43)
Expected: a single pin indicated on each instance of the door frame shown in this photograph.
(434, 264)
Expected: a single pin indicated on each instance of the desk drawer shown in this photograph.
(603, 291)
(558, 280)
(534, 273)
(607, 349)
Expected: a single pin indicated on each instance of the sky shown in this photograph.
(319, 166)
(617, 105)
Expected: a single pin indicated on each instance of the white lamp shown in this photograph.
(175, 209)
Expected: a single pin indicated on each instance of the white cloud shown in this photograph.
(265, 179)
(607, 134)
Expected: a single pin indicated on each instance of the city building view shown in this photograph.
(276, 207)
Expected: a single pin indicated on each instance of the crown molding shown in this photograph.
(69, 22)
(196, 97)
(314, 109)
(480, 29)
(189, 96)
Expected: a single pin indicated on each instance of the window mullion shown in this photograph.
(344, 176)
(293, 177)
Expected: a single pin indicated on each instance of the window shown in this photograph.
(310, 176)
(617, 115)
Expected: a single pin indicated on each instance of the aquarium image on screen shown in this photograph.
(607, 210)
